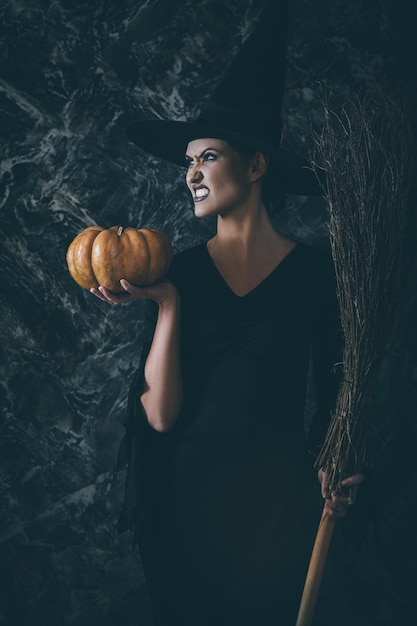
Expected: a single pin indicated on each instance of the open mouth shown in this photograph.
(200, 193)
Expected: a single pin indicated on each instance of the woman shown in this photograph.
(221, 491)
(228, 505)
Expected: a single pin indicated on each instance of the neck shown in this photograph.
(244, 233)
(246, 250)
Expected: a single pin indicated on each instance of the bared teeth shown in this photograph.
(201, 193)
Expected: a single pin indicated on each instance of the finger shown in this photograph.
(336, 512)
(132, 289)
(98, 294)
(344, 500)
(356, 479)
(325, 491)
(336, 508)
(113, 297)
(127, 286)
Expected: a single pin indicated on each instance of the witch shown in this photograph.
(221, 492)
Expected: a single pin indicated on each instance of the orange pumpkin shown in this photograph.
(100, 256)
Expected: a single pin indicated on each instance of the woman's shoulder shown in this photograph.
(315, 268)
(315, 258)
(310, 258)
(187, 261)
(319, 254)
(192, 252)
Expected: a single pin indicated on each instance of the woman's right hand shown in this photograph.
(160, 292)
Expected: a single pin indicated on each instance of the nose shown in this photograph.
(194, 174)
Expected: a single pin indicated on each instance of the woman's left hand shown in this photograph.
(337, 505)
(159, 292)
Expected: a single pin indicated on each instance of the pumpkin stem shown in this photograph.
(119, 231)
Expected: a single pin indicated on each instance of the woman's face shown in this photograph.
(218, 176)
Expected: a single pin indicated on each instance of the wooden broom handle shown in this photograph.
(315, 570)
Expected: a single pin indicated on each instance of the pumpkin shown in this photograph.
(100, 256)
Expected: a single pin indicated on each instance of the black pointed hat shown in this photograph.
(245, 108)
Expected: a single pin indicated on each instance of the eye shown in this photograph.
(210, 156)
(188, 162)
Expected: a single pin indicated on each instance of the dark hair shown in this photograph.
(273, 191)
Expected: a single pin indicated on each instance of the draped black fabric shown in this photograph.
(226, 505)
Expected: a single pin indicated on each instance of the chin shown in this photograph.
(204, 211)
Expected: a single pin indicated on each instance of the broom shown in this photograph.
(366, 152)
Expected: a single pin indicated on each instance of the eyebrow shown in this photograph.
(189, 158)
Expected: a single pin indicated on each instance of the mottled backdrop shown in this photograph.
(72, 74)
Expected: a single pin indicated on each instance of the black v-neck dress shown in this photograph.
(226, 505)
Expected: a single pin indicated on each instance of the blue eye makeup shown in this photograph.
(204, 156)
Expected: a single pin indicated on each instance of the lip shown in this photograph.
(195, 189)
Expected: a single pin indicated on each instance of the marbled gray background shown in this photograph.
(72, 74)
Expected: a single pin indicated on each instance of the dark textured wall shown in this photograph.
(72, 74)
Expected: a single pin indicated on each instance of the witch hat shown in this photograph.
(245, 108)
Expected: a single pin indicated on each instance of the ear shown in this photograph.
(259, 166)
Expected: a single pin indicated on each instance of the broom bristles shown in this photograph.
(366, 153)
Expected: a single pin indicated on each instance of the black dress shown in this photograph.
(226, 505)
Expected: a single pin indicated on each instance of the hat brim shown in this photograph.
(168, 140)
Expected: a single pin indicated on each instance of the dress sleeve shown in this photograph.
(138, 443)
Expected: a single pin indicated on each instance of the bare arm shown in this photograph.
(162, 396)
